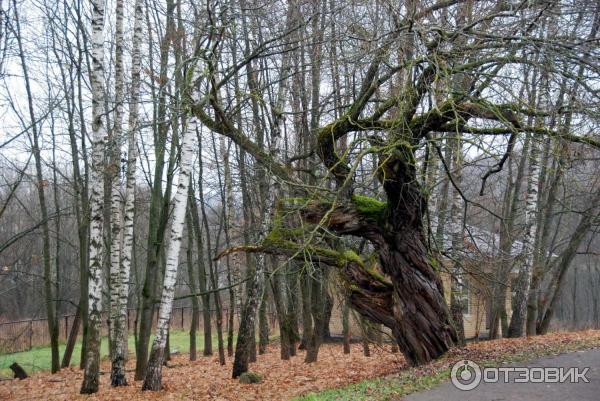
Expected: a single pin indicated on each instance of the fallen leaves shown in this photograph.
(205, 379)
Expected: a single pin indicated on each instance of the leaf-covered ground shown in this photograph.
(382, 376)
(205, 379)
(485, 353)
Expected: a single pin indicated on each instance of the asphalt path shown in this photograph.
(518, 391)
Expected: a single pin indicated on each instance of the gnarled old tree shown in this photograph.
(391, 119)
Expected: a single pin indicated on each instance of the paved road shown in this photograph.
(528, 391)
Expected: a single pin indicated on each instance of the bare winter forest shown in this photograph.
(293, 175)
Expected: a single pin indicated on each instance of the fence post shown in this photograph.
(182, 318)
(30, 333)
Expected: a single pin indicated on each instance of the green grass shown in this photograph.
(381, 388)
(418, 379)
(39, 358)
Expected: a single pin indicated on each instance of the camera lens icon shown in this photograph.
(465, 375)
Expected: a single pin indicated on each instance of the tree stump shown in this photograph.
(18, 371)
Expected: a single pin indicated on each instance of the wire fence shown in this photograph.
(23, 335)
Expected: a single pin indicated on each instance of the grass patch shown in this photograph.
(380, 388)
(39, 358)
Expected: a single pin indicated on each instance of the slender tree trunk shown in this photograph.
(256, 284)
(550, 296)
(57, 245)
(285, 334)
(366, 332)
(522, 292)
(231, 262)
(99, 135)
(317, 306)
(158, 201)
(291, 285)
(509, 210)
(263, 322)
(346, 326)
(153, 377)
(192, 281)
(116, 218)
(206, 321)
(72, 339)
(119, 354)
(212, 266)
(307, 326)
(49, 273)
(458, 279)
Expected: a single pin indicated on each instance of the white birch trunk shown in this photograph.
(115, 177)
(120, 337)
(99, 136)
(531, 206)
(256, 286)
(458, 281)
(153, 377)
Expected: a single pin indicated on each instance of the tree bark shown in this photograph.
(202, 280)
(346, 327)
(72, 339)
(99, 135)
(119, 279)
(285, 334)
(153, 377)
(157, 215)
(192, 280)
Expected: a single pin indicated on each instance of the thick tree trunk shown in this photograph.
(423, 328)
(412, 305)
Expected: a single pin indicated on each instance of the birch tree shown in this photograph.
(120, 335)
(153, 377)
(99, 136)
(531, 209)
(114, 176)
